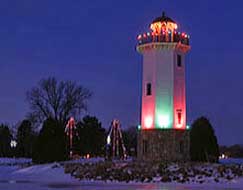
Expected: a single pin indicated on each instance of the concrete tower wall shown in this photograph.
(179, 91)
(164, 86)
(148, 102)
(166, 138)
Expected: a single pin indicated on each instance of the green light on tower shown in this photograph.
(163, 121)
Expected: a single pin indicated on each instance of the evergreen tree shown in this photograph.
(50, 145)
(25, 139)
(5, 139)
(130, 140)
(203, 142)
(91, 136)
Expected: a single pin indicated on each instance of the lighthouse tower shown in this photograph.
(163, 134)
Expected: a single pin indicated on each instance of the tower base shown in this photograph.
(163, 145)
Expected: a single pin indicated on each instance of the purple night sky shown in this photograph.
(93, 43)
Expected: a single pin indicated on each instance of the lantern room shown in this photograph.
(163, 24)
(163, 29)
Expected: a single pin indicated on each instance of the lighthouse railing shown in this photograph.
(176, 37)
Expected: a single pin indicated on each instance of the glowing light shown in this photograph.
(223, 156)
(163, 121)
(179, 126)
(139, 127)
(157, 27)
(13, 143)
(108, 140)
(139, 37)
(148, 34)
(188, 127)
(148, 122)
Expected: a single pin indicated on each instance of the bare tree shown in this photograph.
(57, 100)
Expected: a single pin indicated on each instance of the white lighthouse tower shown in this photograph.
(163, 134)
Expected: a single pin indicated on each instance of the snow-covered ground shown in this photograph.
(231, 161)
(51, 176)
(14, 161)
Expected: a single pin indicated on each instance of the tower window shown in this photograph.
(179, 61)
(145, 146)
(179, 122)
(148, 89)
(179, 118)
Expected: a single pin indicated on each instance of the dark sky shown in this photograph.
(93, 42)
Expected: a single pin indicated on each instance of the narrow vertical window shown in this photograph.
(179, 64)
(179, 118)
(148, 89)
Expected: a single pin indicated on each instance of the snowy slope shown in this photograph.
(44, 173)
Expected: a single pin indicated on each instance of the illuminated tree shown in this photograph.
(57, 100)
(204, 145)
